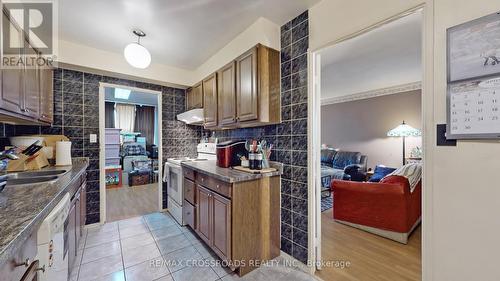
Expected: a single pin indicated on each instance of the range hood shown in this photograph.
(193, 116)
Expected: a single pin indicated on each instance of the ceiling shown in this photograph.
(134, 98)
(384, 57)
(180, 33)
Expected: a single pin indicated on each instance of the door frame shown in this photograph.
(314, 143)
(102, 145)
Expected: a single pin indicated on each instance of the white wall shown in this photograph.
(362, 125)
(461, 215)
(86, 56)
(261, 31)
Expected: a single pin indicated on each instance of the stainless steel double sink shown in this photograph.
(23, 178)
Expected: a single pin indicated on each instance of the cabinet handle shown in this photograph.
(42, 269)
(26, 263)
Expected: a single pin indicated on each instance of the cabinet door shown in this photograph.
(46, 95)
(203, 213)
(78, 209)
(246, 86)
(210, 100)
(32, 87)
(221, 218)
(227, 94)
(189, 98)
(83, 207)
(12, 78)
(197, 96)
(71, 236)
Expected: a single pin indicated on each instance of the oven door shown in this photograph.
(174, 187)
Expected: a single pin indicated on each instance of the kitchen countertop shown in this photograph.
(23, 208)
(229, 175)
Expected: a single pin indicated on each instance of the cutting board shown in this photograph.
(247, 170)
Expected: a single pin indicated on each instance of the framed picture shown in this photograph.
(474, 48)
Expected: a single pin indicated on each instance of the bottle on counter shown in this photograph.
(258, 161)
(251, 160)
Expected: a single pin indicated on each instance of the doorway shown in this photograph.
(130, 152)
(368, 100)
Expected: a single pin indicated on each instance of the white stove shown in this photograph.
(175, 180)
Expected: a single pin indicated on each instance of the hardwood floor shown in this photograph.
(127, 202)
(371, 257)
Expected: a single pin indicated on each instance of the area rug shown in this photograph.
(326, 203)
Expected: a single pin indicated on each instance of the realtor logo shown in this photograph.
(28, 33)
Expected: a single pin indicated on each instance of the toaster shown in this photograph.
(230, 152)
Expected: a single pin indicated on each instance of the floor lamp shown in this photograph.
(404, 130)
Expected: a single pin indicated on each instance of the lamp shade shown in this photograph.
(137, 56)
(404, 130)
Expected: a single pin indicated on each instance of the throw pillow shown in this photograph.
(380, 172)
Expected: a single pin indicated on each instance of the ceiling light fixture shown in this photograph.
(136, 54)
(123, 94)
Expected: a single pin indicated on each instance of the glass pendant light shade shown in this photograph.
(404, 130)
(137, 56)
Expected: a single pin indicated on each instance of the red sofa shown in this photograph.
(387, 208)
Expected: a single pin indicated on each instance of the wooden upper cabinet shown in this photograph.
(210, 100)
(46, 95)
(258, 87)
(246, 86)
(11, 98)
(243, 93)
(31, 87)
(26, 95)
(227, 94)
(194, 97)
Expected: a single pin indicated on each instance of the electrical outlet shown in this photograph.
(93, 138)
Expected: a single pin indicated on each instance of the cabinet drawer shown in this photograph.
(188, 173)
(13, 269)
(223, 188)
(188, 213)
(189, 190)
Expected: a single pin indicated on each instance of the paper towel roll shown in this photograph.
(63, 153)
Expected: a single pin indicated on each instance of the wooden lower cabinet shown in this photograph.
(203, 214)
(238, 221)
(221, 225)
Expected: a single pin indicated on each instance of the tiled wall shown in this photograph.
(76, 109)
(290, 137)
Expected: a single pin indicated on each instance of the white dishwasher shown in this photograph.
(52, 251)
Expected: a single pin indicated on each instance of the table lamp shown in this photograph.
(404, 130)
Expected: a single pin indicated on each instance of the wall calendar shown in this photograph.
(473, 76)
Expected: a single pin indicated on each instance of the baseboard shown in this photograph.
(92, 225)
(392, 235)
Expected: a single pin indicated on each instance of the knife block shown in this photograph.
(25, 163)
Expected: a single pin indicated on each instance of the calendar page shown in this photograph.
(474, 108)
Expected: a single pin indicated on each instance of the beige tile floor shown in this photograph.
(155, 247)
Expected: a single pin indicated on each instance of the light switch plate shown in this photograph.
(93, 138)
